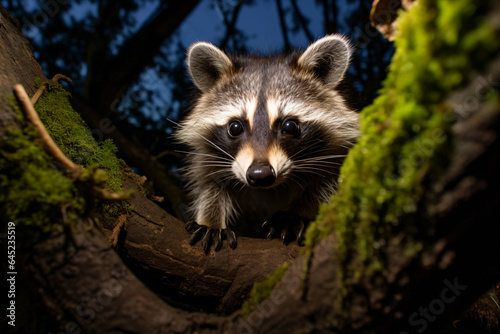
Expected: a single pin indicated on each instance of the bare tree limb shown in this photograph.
(284, 28)
(302, 20)
(231, 24)
(123, 69)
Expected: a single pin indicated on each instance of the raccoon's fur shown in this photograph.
(267, 137)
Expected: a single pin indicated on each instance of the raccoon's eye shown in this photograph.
(235, 128)
(290, 127)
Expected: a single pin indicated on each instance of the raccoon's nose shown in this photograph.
(261, 175)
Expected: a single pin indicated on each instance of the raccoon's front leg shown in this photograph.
(287, 226)
(212, 213)
(290, 225)
(209, 236)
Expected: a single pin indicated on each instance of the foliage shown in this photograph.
(405, 133)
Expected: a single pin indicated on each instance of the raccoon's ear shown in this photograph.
(207, 64)
(328, 58)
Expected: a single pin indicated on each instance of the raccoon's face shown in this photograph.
(265, 120)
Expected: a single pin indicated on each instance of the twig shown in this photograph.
(51, 147)
(40, 90)
(48, 143)
(121, 226)
(110, 196)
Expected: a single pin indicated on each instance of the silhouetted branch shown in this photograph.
(284, 29)
(231, 24)
(302, 20)
(123, 69)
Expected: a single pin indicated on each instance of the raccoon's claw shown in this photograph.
(286, 226)
(209, 236)
(231, 238)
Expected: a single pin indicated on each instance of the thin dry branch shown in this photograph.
(51, 147)
(48, 143)
(120, 226)
(40, 90)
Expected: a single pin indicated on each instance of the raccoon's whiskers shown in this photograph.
(217, 147)
(205, 164)
(318, 162)
(220, 171)
(293, 179)
(215, 165)
(305, 148)
(314, 168)
(205, 154)
(206, 139)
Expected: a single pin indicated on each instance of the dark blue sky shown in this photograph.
(259, 21)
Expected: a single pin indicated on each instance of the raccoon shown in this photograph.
(266, 138)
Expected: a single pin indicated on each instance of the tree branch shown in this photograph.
(231, 24)
(302, 20)
(284, 29)
(123, 69)
(156, 245)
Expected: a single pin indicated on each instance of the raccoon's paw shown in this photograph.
(210, 236)
(286, 226)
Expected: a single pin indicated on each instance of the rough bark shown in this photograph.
(17, 65)
(462, 252)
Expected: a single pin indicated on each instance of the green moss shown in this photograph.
(74, 138)
(406, 133)
(34, 192)
(262, 290)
